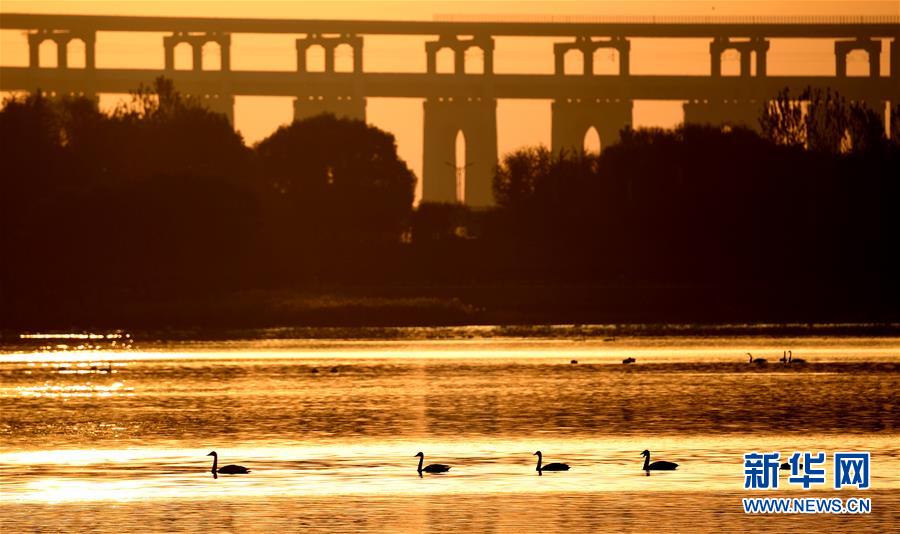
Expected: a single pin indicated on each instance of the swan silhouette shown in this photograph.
(549, 467)
(628, 360)
(757, 361)
(791, 359)
(226, 469)
(431, 468)
(659, 465)
(784, 357)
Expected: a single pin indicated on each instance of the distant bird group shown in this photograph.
(787, 358)
(443, 468)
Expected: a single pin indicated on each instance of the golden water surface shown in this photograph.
(112, 436)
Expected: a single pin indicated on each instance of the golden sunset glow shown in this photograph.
(449, 266)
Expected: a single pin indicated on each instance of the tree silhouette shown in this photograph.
(339, 179)
(822, 121)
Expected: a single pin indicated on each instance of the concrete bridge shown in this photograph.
(463, 101)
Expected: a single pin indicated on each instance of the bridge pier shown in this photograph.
(476, 118)
(330, 44)
(347, 106)
(895, 58)
(587, 47)
(719, 112)
(746, 49)
(572, 118)
(62, 39)
(459, 48)
(871, 47)
(197, 41)
(219, 103)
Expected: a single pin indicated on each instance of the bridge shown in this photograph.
(462, 100)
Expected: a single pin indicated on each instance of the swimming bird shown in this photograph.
(784, 357)
(791, 359)
(573, 362)
(227, 469)
(757, 361)
(659, 465)
(431, 468)
(549, 467)
(628, 360)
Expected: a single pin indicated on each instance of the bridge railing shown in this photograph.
(671, 19)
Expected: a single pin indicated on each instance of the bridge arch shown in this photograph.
(183, 56)
(592, 142)
(859, 63)
(76, 53)
(315, 58)
(48, 53)
(445, 60)
(473, 62)
(459, 132)
(573, 62)
(459, 165)
(607, 61)
(573, 120)
(211, 56)
(343, 57)
(731, 62)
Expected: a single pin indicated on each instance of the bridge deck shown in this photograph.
(790, 27)
(539, 86)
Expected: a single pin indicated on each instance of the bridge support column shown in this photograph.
(476, 118)
(220, 103)
(572, 118)
(895, 58)
(350, 107)
(197, 41)
(723, 112)
(330, 44)
(62, 39)
(459, 47)
(746, 49)
(871, 47)
(588, 47)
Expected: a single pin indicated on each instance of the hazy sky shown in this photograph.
(519, 122)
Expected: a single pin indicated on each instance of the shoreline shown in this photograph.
(593, 332)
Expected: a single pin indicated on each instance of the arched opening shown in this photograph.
(606, 61)
(343, 58)
(591, 141)
(731, 62)
(858, 63)
(474, 60)
(211, 56)
(184, 56)
(47, 54)
(573, 62)
(459, 162)
(315, 58)
(76, 54)
(445, 61)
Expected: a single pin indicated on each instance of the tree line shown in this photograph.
(163, 197)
